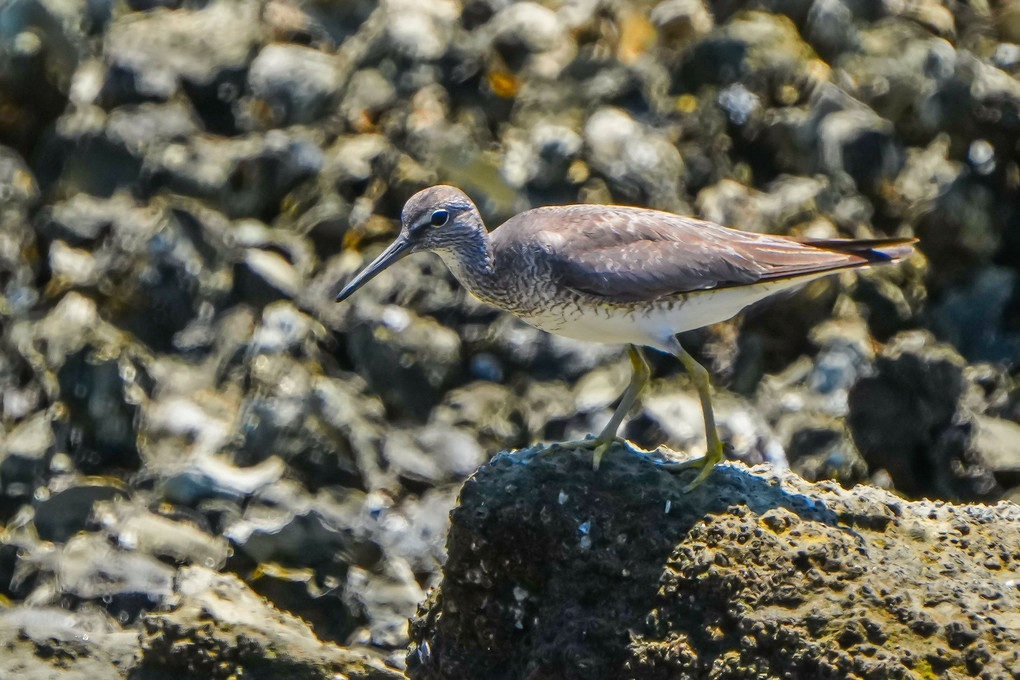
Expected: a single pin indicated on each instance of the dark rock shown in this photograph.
(145, 127)
(20, 192)
(433, 454)
(739, 103)
(210, 478)
(906, 419)
(302, 554)
(555, 571)
(540, 355)
(407, 359)
(671, 415)
(862, 145)
(346, 562)
(978, 101)
(830, 27)
(343, 405)
(245, 176)
(287, 420)
(284, 526)
(531, 40)
(92, 368)
(897, 67)
(782, 326)
(420, 31)
(839, 136)
(85, 220)
(490, 411)
(639, 163)
(101, 410)
(45, 643)
(155, 55)
(291, 84)
(785, 203)
(841, 360)
(88, 139)
(146, 5)
(369, 93)
(265, 277)
(751, 46)
(542, 156)
(971, 316)
(996, 443)
(88, 569)
(413, 530)
(188, 425)
(63, 512)
(25, 454)
(819, 448)
(19, 263)
(681, 21)
(133, 527)
(384, 596)
(218, 627)
(41, 44)
(323, 26)
(97, 241)
(895, 301)
(961, 231)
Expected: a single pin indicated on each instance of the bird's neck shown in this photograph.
(471, 262)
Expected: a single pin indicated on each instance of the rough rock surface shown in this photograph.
(213, 627)
(220, 629)
(558, 572)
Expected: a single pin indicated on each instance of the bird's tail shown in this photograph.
(872, 249)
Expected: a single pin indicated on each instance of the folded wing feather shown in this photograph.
(632, 254)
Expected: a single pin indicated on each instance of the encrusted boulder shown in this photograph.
(555, 571)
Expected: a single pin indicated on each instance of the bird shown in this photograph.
(619, 274)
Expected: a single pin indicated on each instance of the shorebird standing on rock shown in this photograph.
(616, 274)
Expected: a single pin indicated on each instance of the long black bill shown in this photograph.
(396, 250)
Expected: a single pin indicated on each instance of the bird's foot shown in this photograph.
(705, 464)
(599, 444)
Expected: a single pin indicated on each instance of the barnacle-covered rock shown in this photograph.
(556, 571)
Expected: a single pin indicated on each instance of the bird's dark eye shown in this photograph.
(439, 218)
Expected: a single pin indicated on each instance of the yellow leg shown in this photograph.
(639, 378)
(714, 454)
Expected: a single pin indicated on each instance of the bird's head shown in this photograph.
(440, 218)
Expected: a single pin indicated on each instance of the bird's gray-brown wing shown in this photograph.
(630, 254)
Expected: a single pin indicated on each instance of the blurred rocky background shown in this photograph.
(183, 184)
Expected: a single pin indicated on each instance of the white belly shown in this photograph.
(654, 326)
